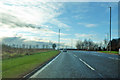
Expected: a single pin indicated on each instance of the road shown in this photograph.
(80, 64)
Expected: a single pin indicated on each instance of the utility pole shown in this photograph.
(107, 40)
(59, 40)
(110, 30)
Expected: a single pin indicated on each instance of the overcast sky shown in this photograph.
(39, 21)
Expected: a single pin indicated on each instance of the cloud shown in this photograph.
(78, 17)
(69, 41)
(60, 24)
(13, 21)
(29, 19)
(112, 4)
(88, 25)
(44, 35)
(19, 41)
(84, 35)
(28, 14)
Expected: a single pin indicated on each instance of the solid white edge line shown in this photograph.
(34, 75)
(87, 64)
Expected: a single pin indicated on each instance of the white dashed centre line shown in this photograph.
(75, 55)
(113, 58)
(110, 57)
(87, 64)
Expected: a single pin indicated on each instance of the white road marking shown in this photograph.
(75, 55)
(33, 76)
(87, 64)
(107, 57)
(117, 59)
(110, 57)
(97, 55)
(113, 58)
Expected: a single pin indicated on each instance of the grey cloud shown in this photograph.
(19, 41)
(15, 22)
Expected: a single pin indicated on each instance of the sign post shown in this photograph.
(119, 51)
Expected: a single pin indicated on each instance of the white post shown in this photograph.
(119, 51)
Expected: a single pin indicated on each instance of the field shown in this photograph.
(19, 66)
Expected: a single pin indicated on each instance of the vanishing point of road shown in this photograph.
(80, 64)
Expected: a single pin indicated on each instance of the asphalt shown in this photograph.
(81, 64)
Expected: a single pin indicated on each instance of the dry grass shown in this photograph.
(9, 52)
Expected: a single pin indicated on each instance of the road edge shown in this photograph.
(27, 76)
(108, 53)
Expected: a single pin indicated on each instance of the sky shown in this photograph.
(35, 21)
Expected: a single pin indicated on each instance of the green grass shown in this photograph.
(114, 52)
(19, 66)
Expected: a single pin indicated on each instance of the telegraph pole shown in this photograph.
(110, 30)
(107, 40)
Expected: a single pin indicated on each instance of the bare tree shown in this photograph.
(23, 45)
(100, 46)
(105, 43)
(29, 46)
(79, 44)
(86, 44)
(37, 46)
(46, 46)
(43, 46)
(95, 47)
(91, 44)
(13, 45)
(17, 46)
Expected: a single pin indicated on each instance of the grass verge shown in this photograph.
(112, 52)
(19, 66)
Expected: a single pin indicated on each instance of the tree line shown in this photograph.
(88, 44)
(53, 46)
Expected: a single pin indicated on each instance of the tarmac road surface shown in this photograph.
(80, 64)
